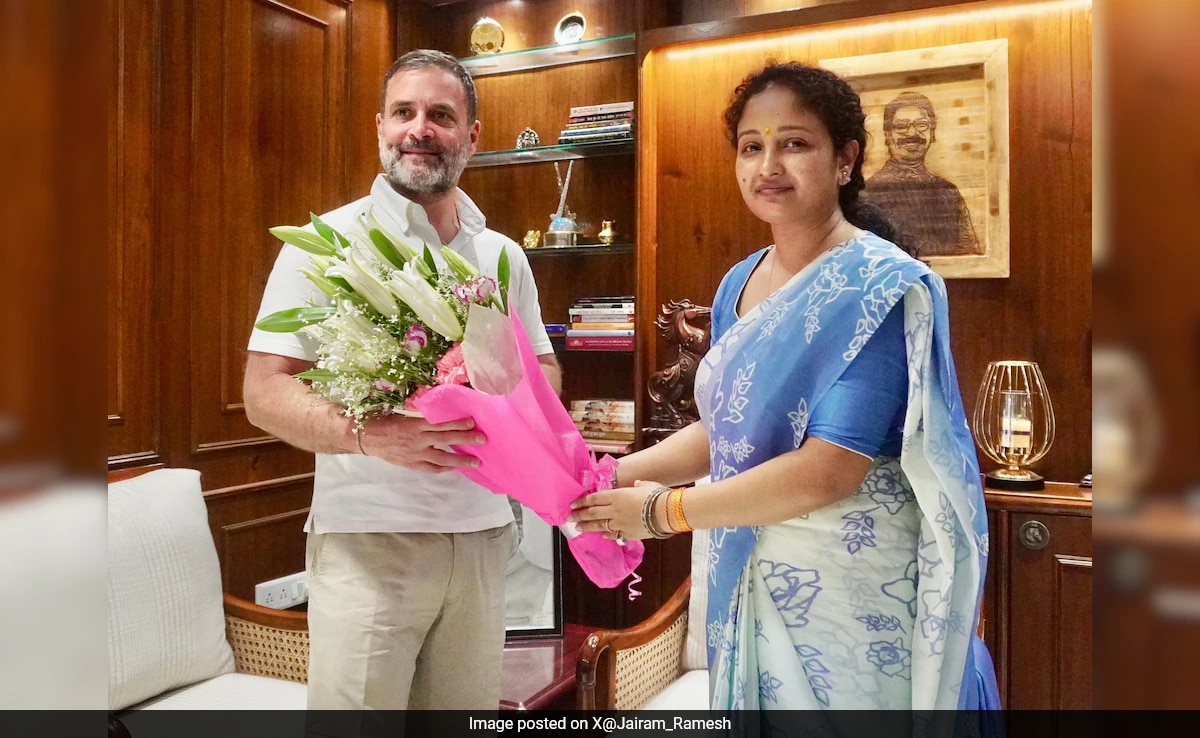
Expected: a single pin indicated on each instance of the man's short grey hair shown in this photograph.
(433, 59)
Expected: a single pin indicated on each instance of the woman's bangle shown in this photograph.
(676, 520)
(648, 513)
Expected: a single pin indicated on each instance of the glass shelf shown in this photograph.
(561, 152)
(541, 57)
(587, 248)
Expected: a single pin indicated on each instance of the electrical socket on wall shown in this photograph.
(283, 592)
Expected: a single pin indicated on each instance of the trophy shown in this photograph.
(563, 230)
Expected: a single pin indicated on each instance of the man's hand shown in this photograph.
(417, 444)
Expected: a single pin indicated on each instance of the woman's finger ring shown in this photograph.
(607, 526)
(620, 539)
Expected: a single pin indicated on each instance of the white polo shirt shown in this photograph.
(361, 494)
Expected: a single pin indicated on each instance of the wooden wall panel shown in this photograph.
(239, 115)
(693, 225)
(132, 387)
(272, 93)
(258, 529)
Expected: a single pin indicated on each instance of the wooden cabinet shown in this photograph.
(1038, 600)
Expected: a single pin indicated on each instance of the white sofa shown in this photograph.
(175, 641)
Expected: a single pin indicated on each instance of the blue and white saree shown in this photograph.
(870, 602)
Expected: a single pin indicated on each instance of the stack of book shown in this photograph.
(599, 124)
(606, 425)
(601, 324)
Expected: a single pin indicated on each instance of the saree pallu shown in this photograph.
(870, 602)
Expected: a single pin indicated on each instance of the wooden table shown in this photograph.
(539, 673)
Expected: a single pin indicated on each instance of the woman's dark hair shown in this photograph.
(831, 99)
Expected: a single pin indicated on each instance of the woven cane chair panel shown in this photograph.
(644, 671)
(270, 652)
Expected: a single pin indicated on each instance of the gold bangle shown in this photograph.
(676, 519)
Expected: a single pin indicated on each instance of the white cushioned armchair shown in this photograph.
(175, 640)
(658, 664)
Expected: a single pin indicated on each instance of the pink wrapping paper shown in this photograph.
(535, 454)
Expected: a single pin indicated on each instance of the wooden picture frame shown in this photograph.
(948, 196)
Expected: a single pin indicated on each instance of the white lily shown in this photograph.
(366, 283)
(462, 268)
(430, 307)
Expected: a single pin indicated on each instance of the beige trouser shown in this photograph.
(406, 620)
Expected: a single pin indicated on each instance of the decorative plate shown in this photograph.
(487, 36)
(570, 28)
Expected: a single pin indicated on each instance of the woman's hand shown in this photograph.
(617, 513)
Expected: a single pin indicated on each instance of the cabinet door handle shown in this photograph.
(1034, 535)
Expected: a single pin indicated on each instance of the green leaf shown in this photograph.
(304, 239)
(503, 270)
(293, 319)
(324, 230)
(317, 375)
(502, 274)
(429, 262)
(386, 248)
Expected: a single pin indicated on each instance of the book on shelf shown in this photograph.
(601, 343)
(609, 447)
(573, 125)
(599, 315)
(588, 333)
(596, 138)
(615, 304)
(602, 429)
(595, 325)
(600, 416)
(607, 437)
(612, 131)
(558, 330)
(602, 404)
(588, 129)
(600, 118)
(625, 106)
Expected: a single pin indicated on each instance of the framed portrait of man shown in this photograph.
(937, 153)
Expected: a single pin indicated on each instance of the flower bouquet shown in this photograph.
(395, 322)
(403, 334)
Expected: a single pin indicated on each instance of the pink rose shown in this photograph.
(450, 368)
(484, 287)
(416, 338)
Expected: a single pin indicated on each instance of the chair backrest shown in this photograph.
(695, 649)
(166, 623)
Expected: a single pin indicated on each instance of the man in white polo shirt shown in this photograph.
(405, 558)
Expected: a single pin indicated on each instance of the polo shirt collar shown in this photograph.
(414, 223)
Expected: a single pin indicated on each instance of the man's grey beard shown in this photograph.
(425, 182)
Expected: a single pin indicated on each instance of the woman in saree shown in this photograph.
(848, 532)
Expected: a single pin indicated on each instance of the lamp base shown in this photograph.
(1018, 481)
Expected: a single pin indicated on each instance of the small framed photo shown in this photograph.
(937, 150)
